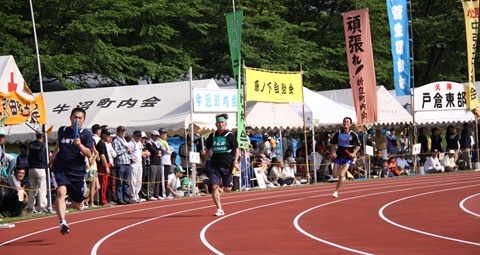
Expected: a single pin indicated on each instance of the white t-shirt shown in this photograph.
(173, 181)
(136, 154)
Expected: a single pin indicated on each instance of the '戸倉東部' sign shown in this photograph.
(442, 95)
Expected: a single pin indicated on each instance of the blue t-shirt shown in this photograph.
(69, 159)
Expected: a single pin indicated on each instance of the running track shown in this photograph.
(432, 214)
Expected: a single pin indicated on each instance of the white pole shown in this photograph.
(43, 126)
(193, 166)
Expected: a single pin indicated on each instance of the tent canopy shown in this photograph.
(390, 111)
(319, 109)
(143, 107)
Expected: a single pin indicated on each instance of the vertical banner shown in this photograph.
(360, 65)
(234, 28)
(400, 41)
(471, 9)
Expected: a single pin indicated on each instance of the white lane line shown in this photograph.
(216, 251)
(380, 212)
(301, 230)
(462, 205)
(316, 189)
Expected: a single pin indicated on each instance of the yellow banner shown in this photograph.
(273, 86)
(471, 11)
(16, 109)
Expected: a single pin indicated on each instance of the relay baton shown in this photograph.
(75, 134)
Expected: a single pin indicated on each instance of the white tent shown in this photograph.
(143, 107)
(390, 111)
(318, 109)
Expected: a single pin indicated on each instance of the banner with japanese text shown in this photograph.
(234, 28)
(273, 86)
(360, 65)
(215, 100)
(400, 43)
(18, 103)
(443, 95)
(471, 9)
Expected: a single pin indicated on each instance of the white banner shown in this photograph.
(215, 100)
(442, 95)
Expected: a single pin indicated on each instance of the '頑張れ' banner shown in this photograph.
(273, 86)
(471, 11)
(360, 65)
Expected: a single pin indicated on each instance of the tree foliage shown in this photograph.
(125, 42)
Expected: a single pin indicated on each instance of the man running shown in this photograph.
(347, 145)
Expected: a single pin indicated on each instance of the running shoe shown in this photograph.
(64, 229)
(335, 194)
(219, 212)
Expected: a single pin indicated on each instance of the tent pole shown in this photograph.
(40, 80)
(192, 165)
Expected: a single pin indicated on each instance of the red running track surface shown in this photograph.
(431, 214)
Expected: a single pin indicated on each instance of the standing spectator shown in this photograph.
(68, 164)
(154, 176)
(380, 143)
(466, 145)
(225, 156)
(112, 186)
(436, 139)
(264, 145)
(103, 165)
(404, 143)
(165, 167)
(423, 141)
(96, 131)
(122, 161)
(37, 175)
(183, 152)
(452, 138)
(22, 159)
(348, 145)
(145, 166)
(390, 138)
(137, 171)
(16, 199)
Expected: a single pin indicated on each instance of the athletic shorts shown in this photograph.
(341, 161)
(75, 185)
(224, 174)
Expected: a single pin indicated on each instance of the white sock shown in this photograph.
(63, 222)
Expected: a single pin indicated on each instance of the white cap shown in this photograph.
(2, 132)
(143, 134)
(155, 132)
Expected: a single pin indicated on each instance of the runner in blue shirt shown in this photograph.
(347, 145)
(68, 164)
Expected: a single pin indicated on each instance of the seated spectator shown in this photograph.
(14, 198)
(432, 164)
(449, 162)
(327, 165)
(274, 170)
(403, 163)
(383, 170)
(186, 186)
(376, 163)
(287, 176)
(358, 165)
(174, 187)
(262, 164)
(316, 158)
(393, 169)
